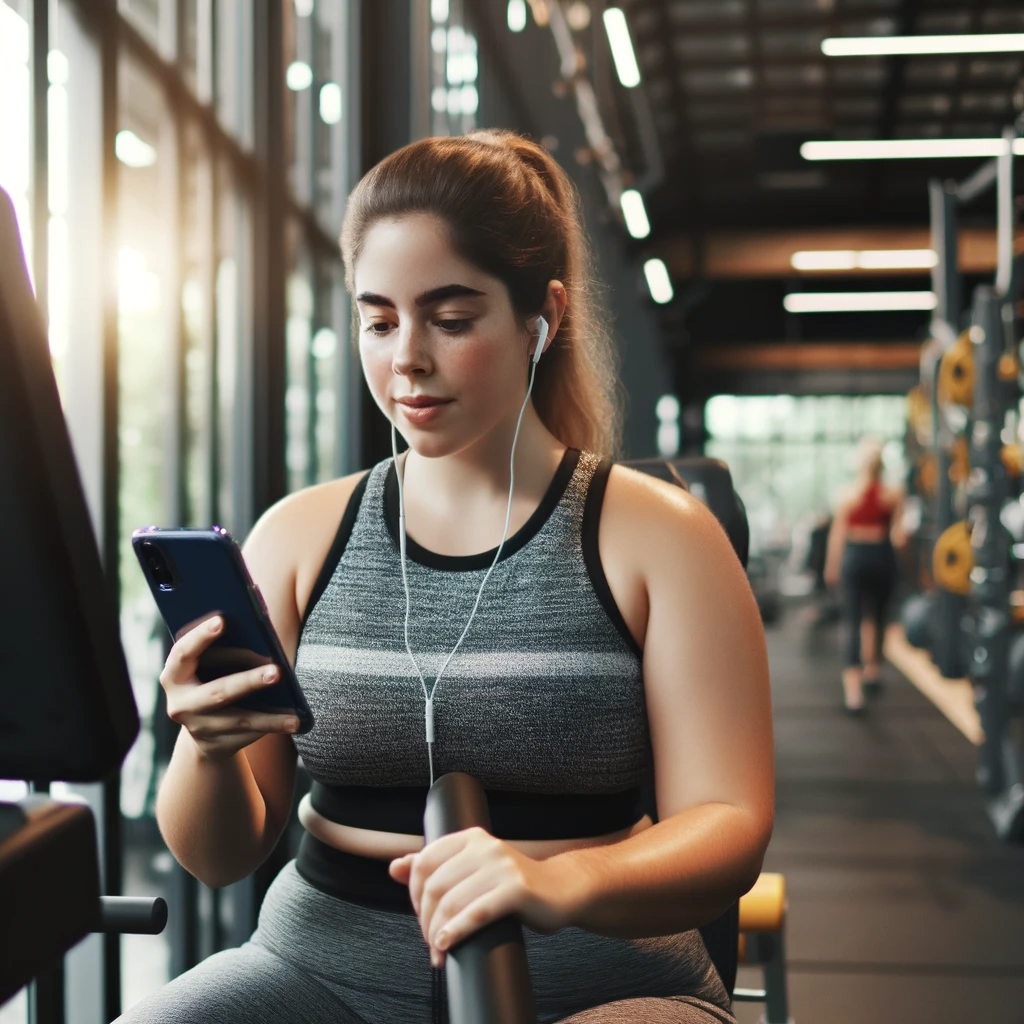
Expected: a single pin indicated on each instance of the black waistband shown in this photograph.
(345, 876)
(513, 815)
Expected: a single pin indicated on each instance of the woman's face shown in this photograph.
(444, 355)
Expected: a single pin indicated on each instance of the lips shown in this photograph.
(421, 401)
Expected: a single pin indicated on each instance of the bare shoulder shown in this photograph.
(297, 519)
(290, 542)
(653, 519)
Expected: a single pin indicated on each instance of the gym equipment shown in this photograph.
(66, 709)
(953, 559)
(956, 373)
(488, 977)
(916, 616)
(973, 473)
(1001, 762)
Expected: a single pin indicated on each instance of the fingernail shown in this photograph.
(442, 940)
(292, 725)
(214, 625)
(270, 674)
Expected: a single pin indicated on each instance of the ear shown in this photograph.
(553, 310)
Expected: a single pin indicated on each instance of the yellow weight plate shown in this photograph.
(960, 462)
(953, 559)
(956, 373)
(927, 475)
(1012, 458)
(1009, 367)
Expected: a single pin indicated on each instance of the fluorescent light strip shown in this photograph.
(634, 213)
(883, 46)
(658, 281)
(907, 149)
(621, 46)
(867, 259)
(858, 302)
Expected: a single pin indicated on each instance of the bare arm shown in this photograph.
(709, 707)
(709, 711)
(227, 793)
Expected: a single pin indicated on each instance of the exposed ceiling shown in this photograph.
(734, 87)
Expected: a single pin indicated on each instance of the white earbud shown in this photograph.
(542, 337)
(428, 692)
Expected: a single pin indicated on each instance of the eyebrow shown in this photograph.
(446, 291)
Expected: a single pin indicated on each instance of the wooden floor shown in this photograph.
(904, 907)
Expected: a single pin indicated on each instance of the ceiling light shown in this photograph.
(858, 302)
(634, 213)
(516, 15)
(330, 103)
(622, 47)
(299, 76)
(885, 46)
(906, 149)
(868, 259)
(658, 281)
(132, 151)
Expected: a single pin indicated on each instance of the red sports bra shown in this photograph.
(870, 511)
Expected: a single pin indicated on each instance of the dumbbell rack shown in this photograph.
(999, 768)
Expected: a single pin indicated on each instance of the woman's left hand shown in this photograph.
(466, 880)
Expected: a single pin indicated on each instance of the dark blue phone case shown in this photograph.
(204, 574)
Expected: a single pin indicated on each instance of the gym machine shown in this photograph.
(969, 404)
(67, 710)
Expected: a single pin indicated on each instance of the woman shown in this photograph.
(862, 562)
(615, 636)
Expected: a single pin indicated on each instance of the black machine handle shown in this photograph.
(132, 915)
(488, 976)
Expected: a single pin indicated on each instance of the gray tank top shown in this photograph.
(545, 695)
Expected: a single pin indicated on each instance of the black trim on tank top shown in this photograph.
(592, 556)
(514, 815)
(338, 545)
(518, 540)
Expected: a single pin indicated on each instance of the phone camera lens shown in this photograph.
(157, 563)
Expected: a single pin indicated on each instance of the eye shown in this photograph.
(380, 327)
(454, 326)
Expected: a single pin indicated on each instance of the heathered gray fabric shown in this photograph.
(318, 960)
(545, 694)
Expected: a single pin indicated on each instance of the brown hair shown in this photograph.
(514, 213)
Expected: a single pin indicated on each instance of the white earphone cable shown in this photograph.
(428, 694)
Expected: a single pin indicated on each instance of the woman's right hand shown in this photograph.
(206, 710)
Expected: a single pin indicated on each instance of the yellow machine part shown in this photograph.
(960, 461)
(956, 372)
(1013, 459)
(953, 559)
(1009, 366)
(763, 909)
(927, 475)
(919, 413)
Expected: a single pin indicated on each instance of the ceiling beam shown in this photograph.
(861, 355)
(761, 254)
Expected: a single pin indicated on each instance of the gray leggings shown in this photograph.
(315, 959)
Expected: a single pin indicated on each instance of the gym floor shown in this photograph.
(903, 904)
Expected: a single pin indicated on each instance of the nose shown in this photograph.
(411, 355)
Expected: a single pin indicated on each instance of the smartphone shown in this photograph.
(195, 574)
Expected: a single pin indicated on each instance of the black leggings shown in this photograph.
(868, 573)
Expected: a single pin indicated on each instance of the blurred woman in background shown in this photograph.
(860, 559)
